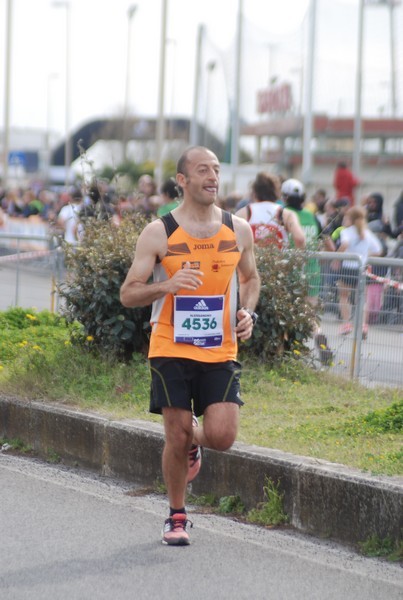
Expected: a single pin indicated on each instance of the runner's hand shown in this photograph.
(245, 325)
(185, 279)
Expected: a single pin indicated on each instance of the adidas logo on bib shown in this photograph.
(201, 305)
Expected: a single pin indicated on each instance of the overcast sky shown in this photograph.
(274, 45)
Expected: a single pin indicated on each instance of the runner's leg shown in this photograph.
(178, 439)
(220, 426)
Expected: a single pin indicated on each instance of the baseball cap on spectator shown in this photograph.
(292, 187)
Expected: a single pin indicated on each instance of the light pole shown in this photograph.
(194, 126)
(7, 87)
(237, 96)
(68, 150)
(358, 102)
(211, 65)
(51, 77)
(161, 93)
(130, 14)
(358, 95)
(308, 115)
(392, 6)
(171, 133)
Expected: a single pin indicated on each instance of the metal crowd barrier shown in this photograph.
(30, 278)
(371, 350)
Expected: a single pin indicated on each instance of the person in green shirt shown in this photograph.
(293, 194)
(169, 196)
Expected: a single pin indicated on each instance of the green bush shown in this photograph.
(286, 319)
(97, 269)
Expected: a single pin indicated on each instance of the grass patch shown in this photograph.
(268, 513)
(291, 408)
(382, 547)
(15, 445)
(232, 505)
(271, 511)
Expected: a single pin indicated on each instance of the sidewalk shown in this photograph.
(320, 498)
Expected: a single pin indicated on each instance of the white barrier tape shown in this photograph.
(24, 255)
(385, 280)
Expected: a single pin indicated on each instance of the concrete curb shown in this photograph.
(320, 498)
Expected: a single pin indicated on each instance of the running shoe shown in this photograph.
(174, 532)
(195, 456)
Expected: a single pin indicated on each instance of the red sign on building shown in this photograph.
(275, 99)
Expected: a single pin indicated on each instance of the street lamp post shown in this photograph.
(68, 149)
(161, 94)
(130, 14)
(211, 65)
(392, 6)
(237, 97)
(6, 139)
(308, 116)
(358, 102)
(51, 77)
(194, 126)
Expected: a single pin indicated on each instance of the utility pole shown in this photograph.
(194, 126)
(392, 5)
(7, 92)
(159, 171)
(237, 97)
(308, 116)
(130, 13)
(358, 95)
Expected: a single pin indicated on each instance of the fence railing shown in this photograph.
(367, 346)
(368, 343)
(29, 277)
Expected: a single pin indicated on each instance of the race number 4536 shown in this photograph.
(198, 320)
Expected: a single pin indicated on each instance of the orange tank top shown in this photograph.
(199, 324)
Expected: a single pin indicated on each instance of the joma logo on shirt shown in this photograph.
(203, 246)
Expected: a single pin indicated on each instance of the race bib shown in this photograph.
(198, 320)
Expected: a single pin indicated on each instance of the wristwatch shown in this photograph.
(253, 315)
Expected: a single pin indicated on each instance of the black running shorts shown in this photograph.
(179, 381)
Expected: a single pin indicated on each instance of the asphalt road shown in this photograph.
(67, 534)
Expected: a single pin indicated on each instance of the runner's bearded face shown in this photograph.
(202, 181)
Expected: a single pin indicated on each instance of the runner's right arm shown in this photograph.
(152, 244)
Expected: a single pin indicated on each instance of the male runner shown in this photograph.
(203, 267)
